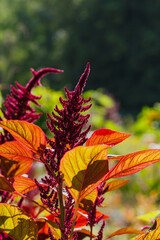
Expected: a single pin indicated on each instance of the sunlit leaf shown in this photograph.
(113, 185)
(126, 230)
(12, 168)
(83, 168)
(106, 136)
(16, 223)
(153, 233)
(23, 184)
(134, 162)
(15, 151)
(26, 133)
(5, 184)
(149, 216)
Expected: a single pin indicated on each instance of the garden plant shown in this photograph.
(78, 169)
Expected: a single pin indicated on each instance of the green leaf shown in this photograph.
(16, 223)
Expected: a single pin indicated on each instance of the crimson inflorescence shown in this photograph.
(17, 104)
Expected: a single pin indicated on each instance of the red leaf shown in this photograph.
(133, 163)
(106, 136)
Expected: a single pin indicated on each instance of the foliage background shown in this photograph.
(120, 38)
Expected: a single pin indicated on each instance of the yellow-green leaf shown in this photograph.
(149, 216)
(153, 233)
(83, 168)
(5, 184)
(16, 223)
(28, 134)
(87, 203)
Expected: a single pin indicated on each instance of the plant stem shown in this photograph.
(91, 227)
(62, 209)
(74, 219)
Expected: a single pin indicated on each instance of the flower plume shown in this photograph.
(17, 104)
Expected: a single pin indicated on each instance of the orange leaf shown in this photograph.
(23, 184)
(12, 168)
(113, 185)
(153, 233)
(83, 168)
(133, 163)
(126, 230)
(83, 233)
(82, 218)
(28, 134)
(106, 136)
(50, 223)
(44, 228)
(15, 151)
(5, 184)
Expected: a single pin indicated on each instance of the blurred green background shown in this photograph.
(120, 39)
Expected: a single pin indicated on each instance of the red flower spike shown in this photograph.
(67, 123)
(17, 104)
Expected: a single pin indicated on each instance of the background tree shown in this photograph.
(119, 38)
